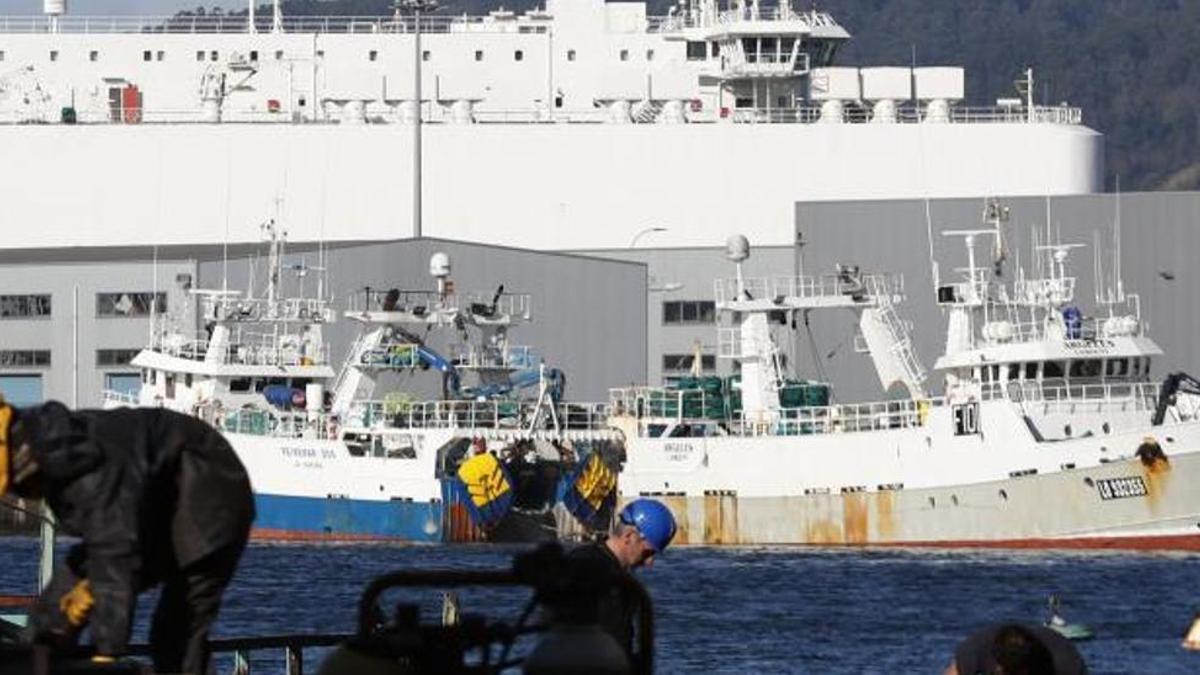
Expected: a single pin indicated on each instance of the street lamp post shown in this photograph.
(415, 7)
(633, 242)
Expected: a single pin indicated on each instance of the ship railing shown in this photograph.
(512, 357)
(781, 12)
(807, 287)
(294, 310)
(494, 414)
(840, 418)
(246, 348)
(234, 24)
(481, 306)
(912, 115)
(111, 398)
(376, 112)
(663, 403)
(1137, 396)
(267, 422)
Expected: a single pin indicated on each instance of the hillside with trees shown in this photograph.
(1132, 65)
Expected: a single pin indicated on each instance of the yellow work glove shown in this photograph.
(77, 603)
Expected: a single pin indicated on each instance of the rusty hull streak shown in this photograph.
(720, 519)
(885, 522)
(820, 526)
(854, 517)
(1157, 476)
(678, 507)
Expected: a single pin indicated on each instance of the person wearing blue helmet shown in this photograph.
(643, 529)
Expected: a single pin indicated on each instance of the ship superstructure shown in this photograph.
(539, 116)
(1051, 431)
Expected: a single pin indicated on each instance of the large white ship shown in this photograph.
(571, 127)
(1050, 433)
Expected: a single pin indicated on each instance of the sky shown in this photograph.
(111, 7)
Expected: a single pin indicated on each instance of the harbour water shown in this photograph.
(738, 610)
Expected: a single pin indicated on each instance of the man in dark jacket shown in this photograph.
(644, 529)
(156, 497)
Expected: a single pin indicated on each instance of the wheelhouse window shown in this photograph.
(1085, 368)
(24, 306)
(1031, 370)
(1117, 368)
(130, 304)
(696, 51)
(1052, 370)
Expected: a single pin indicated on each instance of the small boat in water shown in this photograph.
(1071, 631)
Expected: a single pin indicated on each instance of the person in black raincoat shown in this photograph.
(156, 497)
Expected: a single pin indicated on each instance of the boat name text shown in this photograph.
(1121, 488)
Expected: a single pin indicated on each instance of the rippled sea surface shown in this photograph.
(739, 610)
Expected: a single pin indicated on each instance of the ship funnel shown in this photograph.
(737, 248)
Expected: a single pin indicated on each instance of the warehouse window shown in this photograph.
(518, 55)
(689, 312)
(21, 390)
(126, 384)
(93, 55)
(114, 357)
(24, 358)
(478, 54)
(24, 306)
(624, 54)
(426, 55)
(130, 304)
(200, 56)
(147, 55)
(53, 54)
(570, 54)
(372, 55)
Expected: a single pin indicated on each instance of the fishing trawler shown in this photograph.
(1049, 433)
(487, 461)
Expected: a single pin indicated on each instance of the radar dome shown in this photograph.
(737, 248)
(439, 265)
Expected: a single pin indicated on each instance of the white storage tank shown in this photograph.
(835, 83)
(886, 82)
(939, 82)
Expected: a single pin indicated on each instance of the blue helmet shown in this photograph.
(652, 519)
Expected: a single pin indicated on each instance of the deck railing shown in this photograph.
(496, 414)
(378, 113)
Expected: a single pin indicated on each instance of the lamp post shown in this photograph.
(415, 7)
(633, 242)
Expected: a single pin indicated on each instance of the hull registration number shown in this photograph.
(1120, 488)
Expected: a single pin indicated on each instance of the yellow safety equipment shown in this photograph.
(595, 482)
(77, 603)
(5, 418)
(484, 478)
(101, 658)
